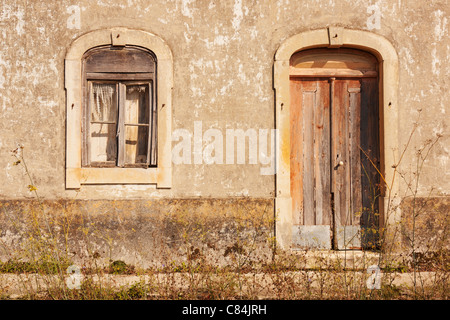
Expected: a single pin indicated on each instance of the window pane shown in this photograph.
(103, 108)
(103, 145)
(136, 104)
(103, 102)
(136, 144)
(136, 112)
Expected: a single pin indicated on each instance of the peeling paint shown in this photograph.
(185, 9)
(238, 15)
(441, 28)
(16, 15)
(409, 61)
(435, 63)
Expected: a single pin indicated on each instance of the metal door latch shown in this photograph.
(340, 163)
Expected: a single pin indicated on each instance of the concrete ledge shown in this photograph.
(20, 286)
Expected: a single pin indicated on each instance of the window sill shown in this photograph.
(75, 177)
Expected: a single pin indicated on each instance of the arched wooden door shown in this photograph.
(334, 122)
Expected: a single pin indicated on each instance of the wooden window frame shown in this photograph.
(121, 86)
(77, 175)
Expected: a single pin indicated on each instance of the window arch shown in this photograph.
(326, 62)
(118, 107)
(119, 110)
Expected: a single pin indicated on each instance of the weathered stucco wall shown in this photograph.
(223, 55)
(144, 233)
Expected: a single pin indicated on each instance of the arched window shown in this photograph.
(118, 107)
(119, 113)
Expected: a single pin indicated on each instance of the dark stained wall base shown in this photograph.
(144, 233)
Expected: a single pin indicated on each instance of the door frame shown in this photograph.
(335, 37)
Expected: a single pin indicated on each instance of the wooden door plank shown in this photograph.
(309, 90)
(354, 148)
(326, 158)
(341, 175)
(370, 145)
(346, 195)
(322, 154)
(296, 157)
(317, 137)
(335, 150)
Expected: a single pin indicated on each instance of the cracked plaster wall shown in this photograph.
(223, 54)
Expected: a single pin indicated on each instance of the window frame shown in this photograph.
(87, 122)
(78, 175)
(120, 87)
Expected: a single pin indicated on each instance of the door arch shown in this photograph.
(335, 149)
(379, 47)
